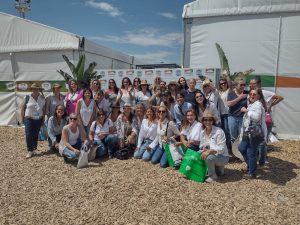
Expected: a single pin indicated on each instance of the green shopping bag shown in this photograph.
(174, 154)
(193, 166)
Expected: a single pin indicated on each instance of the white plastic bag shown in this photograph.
(83, 159)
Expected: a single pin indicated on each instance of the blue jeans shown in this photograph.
(106, 145)
(262, 153)
(32, 129)
(139, 154)
(70, 154)
(225, 127)
(160, 156)
(234, 125)
(214, 161)
(249, 147)
(148, 154)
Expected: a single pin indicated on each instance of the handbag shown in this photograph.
(83, 159)
(123, 154)
(193, 166)
(255, 130)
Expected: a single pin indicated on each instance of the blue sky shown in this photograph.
(148, 29)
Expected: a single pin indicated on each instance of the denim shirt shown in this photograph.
(180, 114)
(54, 128)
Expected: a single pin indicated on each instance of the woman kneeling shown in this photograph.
(73, 135)
(101, 133)
(213, 147)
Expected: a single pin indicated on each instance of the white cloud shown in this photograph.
(168, 15)
(145, 37)
(156, 57)
(104, 7)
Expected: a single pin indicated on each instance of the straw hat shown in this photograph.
(208, 114)
(127, 105)
(144, 82)
(36, 86)
(115, 105)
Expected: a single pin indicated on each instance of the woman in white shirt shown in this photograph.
(126, 93)
(32, 113)
(254, 114)
(144, 94)
(213, 147)
(166, 130)
(101, 134)
(148, 132)
(86, 110)
(190, 133)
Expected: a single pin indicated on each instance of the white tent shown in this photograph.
(31, 51)
(263, 35)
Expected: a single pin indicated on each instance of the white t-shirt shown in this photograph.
(34, 109)
(101, 128)
(147, 131)
(86, 112)
(192, 132)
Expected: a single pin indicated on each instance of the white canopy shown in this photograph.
(262, 35)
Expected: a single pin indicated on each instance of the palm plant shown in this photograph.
(225, 66)
(83, 77)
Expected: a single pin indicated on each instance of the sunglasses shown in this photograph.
(73, 118)
(96, 83)
(208, 120)
(242, 85)
(161, 111)
(223, 83)
(205, 86)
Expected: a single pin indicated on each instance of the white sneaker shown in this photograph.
(36, 152)
(211, 179)
(29, 155)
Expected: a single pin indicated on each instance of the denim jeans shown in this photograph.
(50, 144)
(70, 154)
(234, 125)
(225, 127)
(262, 153)
(106, 145)
(139, 154)
(249, 147)
(148, 154)
(32, 128)
(214, 161)
(160, 156)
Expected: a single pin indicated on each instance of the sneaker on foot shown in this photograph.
(29, 155)
(211, 179)
(36, 152)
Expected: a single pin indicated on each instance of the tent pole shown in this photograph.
(13, 69)
(278, 52)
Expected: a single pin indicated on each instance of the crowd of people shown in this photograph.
(143, 117)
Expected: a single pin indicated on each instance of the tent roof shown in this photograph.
(19, 34)
(207, 8)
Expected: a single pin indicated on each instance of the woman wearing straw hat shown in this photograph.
(213, 146)
(144, 94)
(33, 113)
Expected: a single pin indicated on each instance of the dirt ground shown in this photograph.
(44, 190)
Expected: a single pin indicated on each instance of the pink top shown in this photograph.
(71, 101)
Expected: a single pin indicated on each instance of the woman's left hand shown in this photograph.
(205, 154)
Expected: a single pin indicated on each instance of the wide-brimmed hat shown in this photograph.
(173, 82)
(56, 85)
(36, 86)
(207, 82)
(127, 105)
(144, 82)
(208, 114)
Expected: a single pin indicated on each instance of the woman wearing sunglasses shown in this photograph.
(213, 147)
(254, 114)
(101, 134)
(95, 86)
(73, 135)
(166, 130)
(112, 92)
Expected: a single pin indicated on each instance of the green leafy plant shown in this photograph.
(83, 77)
(225, 66)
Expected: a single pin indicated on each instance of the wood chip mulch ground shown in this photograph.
(44, 190)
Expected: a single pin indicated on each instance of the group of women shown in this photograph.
(143, 117)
